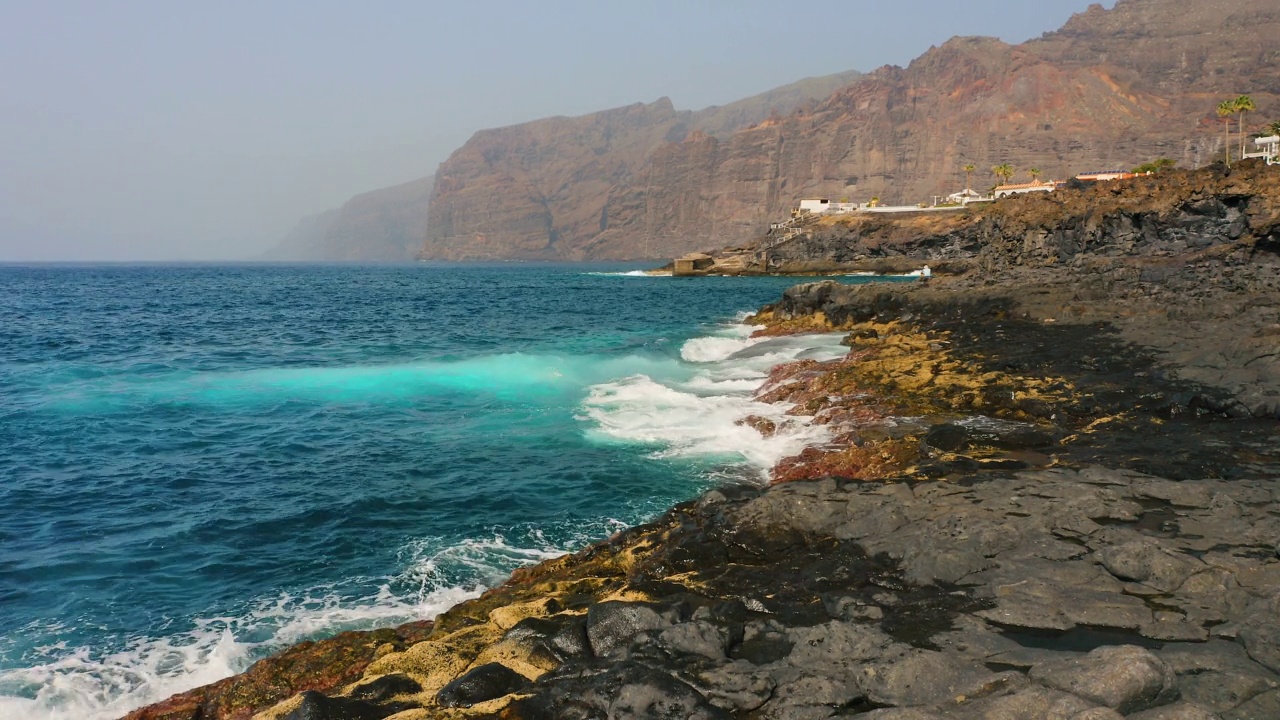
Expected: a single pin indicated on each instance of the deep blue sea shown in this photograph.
(202, 464)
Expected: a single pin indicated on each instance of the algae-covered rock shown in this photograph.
(314, 665)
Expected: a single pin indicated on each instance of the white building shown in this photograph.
(1105, 175)
(1268, 148)
(1023, 188)
(816, 206)
(966, 196)
(823, 206)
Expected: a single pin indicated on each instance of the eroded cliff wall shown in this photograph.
(1112, 88)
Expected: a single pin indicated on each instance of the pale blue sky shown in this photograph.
(184, 130)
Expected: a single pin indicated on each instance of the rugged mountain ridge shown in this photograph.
(518, 192)
(385, 225)
(1112, 88)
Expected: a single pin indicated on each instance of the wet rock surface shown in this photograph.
(483, 683)
(308, 666)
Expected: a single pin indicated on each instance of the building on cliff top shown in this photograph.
(1022, 188)
(966, 196)
(1268, 149)
(823, 206)
(1105, 175)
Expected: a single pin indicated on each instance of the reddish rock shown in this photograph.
(314, 665)
(762, 425)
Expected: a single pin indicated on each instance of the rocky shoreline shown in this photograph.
(1051, 492)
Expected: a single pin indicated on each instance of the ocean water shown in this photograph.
(202, 464)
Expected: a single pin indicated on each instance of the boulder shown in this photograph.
(1125, 678)
(489, 681)
(611, 625)
(386, 687)
(1147, 562)
(316, 706)
(622, 690)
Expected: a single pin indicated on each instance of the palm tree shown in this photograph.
(1035, 174)
(968, 170)
(1244, 104)
(1004, 171)
(1274, 128)
(1226, 109)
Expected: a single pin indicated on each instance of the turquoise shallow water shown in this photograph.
(201, 464)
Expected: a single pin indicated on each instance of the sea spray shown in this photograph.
(704, 416)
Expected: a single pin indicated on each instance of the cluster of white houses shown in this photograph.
(824, 206)
(1268, 149)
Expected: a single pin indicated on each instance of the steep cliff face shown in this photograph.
(1112, 88)
(553, 188)
(538, 190)
(384, 225)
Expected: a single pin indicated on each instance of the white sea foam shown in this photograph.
(84, 684)
(683, 424)
(700, 416)
(713, 349)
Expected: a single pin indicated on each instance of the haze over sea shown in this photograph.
(203, 464)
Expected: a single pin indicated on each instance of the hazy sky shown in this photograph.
(205, 130)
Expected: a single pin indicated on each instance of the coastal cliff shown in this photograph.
(1049, 491)
(553, 188)
(385, 225)
(1112, 88)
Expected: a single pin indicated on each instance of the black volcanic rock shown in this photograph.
(489, 681)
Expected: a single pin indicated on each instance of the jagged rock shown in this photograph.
(624, 690)
(695, 638)
(612, 624)
(738, 686)
(323, 665)
(386, 687)
(489, 681)
(1125, 678)
(571, 640)
(315, 706)
(947, 436)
